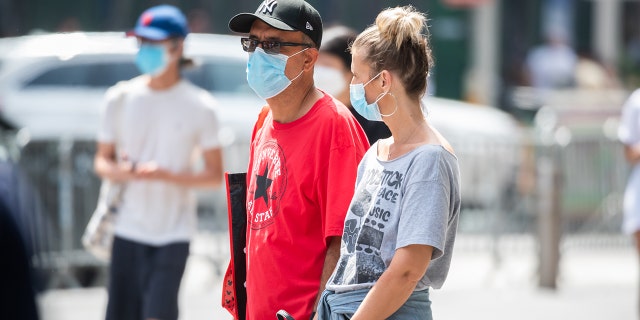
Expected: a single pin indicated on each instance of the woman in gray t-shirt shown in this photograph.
(401, 225)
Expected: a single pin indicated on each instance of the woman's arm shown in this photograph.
(396, 284)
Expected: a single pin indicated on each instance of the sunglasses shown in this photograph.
(269, 46)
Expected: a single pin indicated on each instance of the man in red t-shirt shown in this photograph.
(302, 167)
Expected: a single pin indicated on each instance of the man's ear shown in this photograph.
(311, 56)
(176, 44)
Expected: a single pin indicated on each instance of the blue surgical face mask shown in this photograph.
(152, 59)
(329, 79)
(358, 98)
(265, 73)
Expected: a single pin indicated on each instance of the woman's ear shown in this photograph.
(386, 78)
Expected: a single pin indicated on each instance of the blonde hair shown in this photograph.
(396, 42)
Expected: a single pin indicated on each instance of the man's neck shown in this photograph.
(294, 102)
(165, 80)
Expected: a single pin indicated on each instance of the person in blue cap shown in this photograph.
(151, 127)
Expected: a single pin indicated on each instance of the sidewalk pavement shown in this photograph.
(593, 284)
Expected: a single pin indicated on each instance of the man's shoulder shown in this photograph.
(189, 86)
(634, 100)
(118, 87)
(197, 96)
(121, 87)
(331, 107)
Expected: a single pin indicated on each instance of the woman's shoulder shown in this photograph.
(431, 162)
(435, 152)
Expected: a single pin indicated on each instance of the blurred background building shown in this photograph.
(490, 38)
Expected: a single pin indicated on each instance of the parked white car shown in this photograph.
(53, 85)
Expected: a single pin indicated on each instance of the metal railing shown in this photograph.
(505, 186)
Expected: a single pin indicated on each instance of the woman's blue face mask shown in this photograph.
(152, 59)
(265, 73)
(358, 98)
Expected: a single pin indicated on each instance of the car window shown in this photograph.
(219, 76)
(211, 75)
(99, 75)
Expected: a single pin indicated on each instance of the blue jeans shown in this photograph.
(342, 306)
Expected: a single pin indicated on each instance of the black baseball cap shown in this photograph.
(288, 15)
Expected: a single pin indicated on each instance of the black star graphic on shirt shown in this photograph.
(262, 184)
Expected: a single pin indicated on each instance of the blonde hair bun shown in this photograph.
(399, 24)
(396, 42)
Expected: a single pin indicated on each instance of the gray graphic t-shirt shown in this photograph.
(414, 199)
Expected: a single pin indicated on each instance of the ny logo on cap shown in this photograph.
(267, 6)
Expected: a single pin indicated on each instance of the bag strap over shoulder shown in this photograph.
(234, 293)
(260, 122)
(121, 88)
(263, 115)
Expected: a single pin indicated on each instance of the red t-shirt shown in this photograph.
(300, 181)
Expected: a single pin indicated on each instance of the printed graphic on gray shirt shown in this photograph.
(373, 205)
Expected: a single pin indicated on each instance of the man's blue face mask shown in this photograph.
(265, 73)
(152, 59)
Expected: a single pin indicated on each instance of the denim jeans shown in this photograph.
(342, 306)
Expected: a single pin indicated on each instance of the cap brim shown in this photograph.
(242, 22)
(149, 33)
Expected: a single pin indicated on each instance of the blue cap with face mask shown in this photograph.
(157, 23)
(160, 23)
